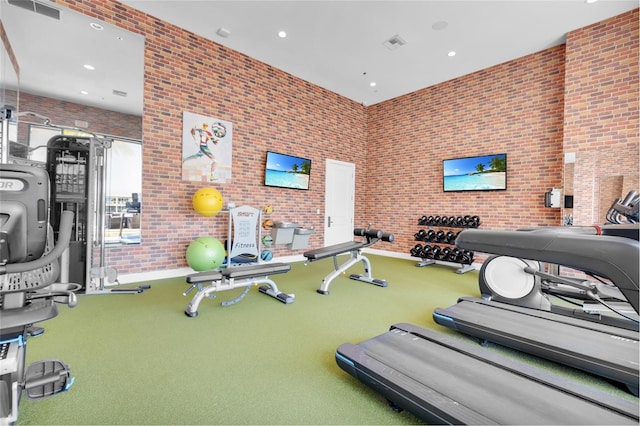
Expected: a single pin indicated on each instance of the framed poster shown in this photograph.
(206, 148)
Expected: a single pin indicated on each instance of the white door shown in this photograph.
(339, 199)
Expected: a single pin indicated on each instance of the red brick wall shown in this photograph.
(397, 146)
(65, 113)
(269, 109)
(601, 111)
(513, 108)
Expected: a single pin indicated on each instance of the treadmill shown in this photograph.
(442, 379)
(599, 348)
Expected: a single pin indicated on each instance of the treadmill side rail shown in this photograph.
(445, 380)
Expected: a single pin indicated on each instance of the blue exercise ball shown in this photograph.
(266, 255)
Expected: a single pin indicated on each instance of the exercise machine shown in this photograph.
(77, 171)
(626, 210)
(601, 345)
(529, 283)
(442, 379)
(354, 248)
(243, 268)
(29, 268)
(236, 277)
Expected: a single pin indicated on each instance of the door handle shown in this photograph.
(328, 221)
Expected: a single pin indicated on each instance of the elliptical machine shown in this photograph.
(29, 268)
(529, 283)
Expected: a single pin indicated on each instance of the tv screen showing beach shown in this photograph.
(481, 173)
(287, 171)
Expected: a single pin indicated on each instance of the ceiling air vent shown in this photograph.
(119, 93)
(34, 6)
(394, 42)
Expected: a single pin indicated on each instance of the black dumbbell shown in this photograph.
(444, 221)
(450, 237)
(422, 220)
(440, 236)
(452, 221)
(453, 254)
(436, 220)
(475, 221)
(444, 254)
(434, 252)
(467, 257)
(420, 235)
(430, 220)
(466, 221)
(456, 255)
(459, 221)
(431, 235)
(416, 250)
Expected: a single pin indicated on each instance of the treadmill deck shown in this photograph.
(444, 380)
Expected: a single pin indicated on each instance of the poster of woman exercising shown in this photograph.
(206, 148)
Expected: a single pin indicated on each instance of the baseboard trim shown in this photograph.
(140, 277)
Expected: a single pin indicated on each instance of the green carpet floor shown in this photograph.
(138, 359)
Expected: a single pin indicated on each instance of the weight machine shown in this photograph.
(77, 167)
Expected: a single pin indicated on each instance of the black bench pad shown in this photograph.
(333, 250)
(256, 270)
(204, 276)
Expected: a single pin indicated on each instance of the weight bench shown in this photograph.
(236, 277)
(355, 249)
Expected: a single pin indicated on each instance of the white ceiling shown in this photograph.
(335, 44)
(51, 54)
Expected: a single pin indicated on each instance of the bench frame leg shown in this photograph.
(270, 289)
(355, 257)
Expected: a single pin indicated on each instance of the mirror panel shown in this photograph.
(567, 182)
(595, 186)
(9, 74)
(613, 188)
(59, 95)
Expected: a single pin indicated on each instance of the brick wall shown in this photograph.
(65, 113)
(513, 108)
(601, 112)
(397, 146)
(269, 109)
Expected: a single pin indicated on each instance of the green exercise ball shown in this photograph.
(205, 253)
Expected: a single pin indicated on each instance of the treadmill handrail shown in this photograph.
(615, 258)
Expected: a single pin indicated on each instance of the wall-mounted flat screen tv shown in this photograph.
(480, 173)
(287, 171)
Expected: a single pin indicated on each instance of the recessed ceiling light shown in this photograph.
(84, 92)
(282, 34)
(590, 1)
(89, 67)
(96, 26)
(452, 53)
(372, 84)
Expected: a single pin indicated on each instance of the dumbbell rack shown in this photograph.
(435, 254)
